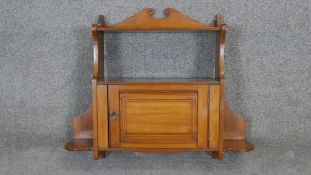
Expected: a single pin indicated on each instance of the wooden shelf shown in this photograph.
(79, 145)
(106, 29)
(237, 145)
(234, 145)
(156, 81)
(164, 118)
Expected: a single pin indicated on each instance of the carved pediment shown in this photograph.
(173, 20)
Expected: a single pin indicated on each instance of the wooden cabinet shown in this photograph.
(158, 116)
(144, 117)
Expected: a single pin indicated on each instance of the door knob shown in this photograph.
(113, 115)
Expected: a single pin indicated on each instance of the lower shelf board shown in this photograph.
(237, 145)
(79, 145)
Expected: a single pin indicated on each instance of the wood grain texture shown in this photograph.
(79, 145)
(203, 116)
(114, 124)
(158, 115)
(157, 112)
(82, 126)
(155, 81)
(161, 87)
(156, 119)
(144, 20)
(98, 52)
(237, 145)
(158, 150)
(102, 101)
(214, 117)
(220, 155)
(235, 131)
(235, 125)
(82, 132)
(220, 53)
(220, 75)
(95, 121)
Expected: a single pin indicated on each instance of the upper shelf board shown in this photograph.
(145, 21)
(156, 81)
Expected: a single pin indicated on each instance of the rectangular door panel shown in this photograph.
(156, 116)
(161, 117)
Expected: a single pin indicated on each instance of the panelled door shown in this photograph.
(162, 116)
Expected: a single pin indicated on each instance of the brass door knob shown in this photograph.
(113, 115)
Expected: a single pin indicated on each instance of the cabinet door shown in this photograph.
(162, 116)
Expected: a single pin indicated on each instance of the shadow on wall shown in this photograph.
(113, 51)
(81, 75)
(234, 78)
(205, 51)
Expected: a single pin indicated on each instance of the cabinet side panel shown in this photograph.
(114, 128)
(102, 116)
(95, 134)
(202, 116)
(214, 117)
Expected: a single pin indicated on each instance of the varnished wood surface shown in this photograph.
(220, 53)
(234, 135)
(155, 113)
(234, 145)
(158, 150)
(114, 124)
(214, 116)
(98, 52)
(237, 145)
(234, 125)
(155, 81)
(203, 99)
(79, 145)
(82, 126)
(144, 20)
(95, 120)
(198, 120)
(155, 119)
(160, 87)
(102, 101)
(220, 75)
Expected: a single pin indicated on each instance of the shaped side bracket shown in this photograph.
(82, 128)
(235, 131)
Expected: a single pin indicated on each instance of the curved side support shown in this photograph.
(82, 128)
(98, 59)
(235, 131)
(85, 126)
(219, 74)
